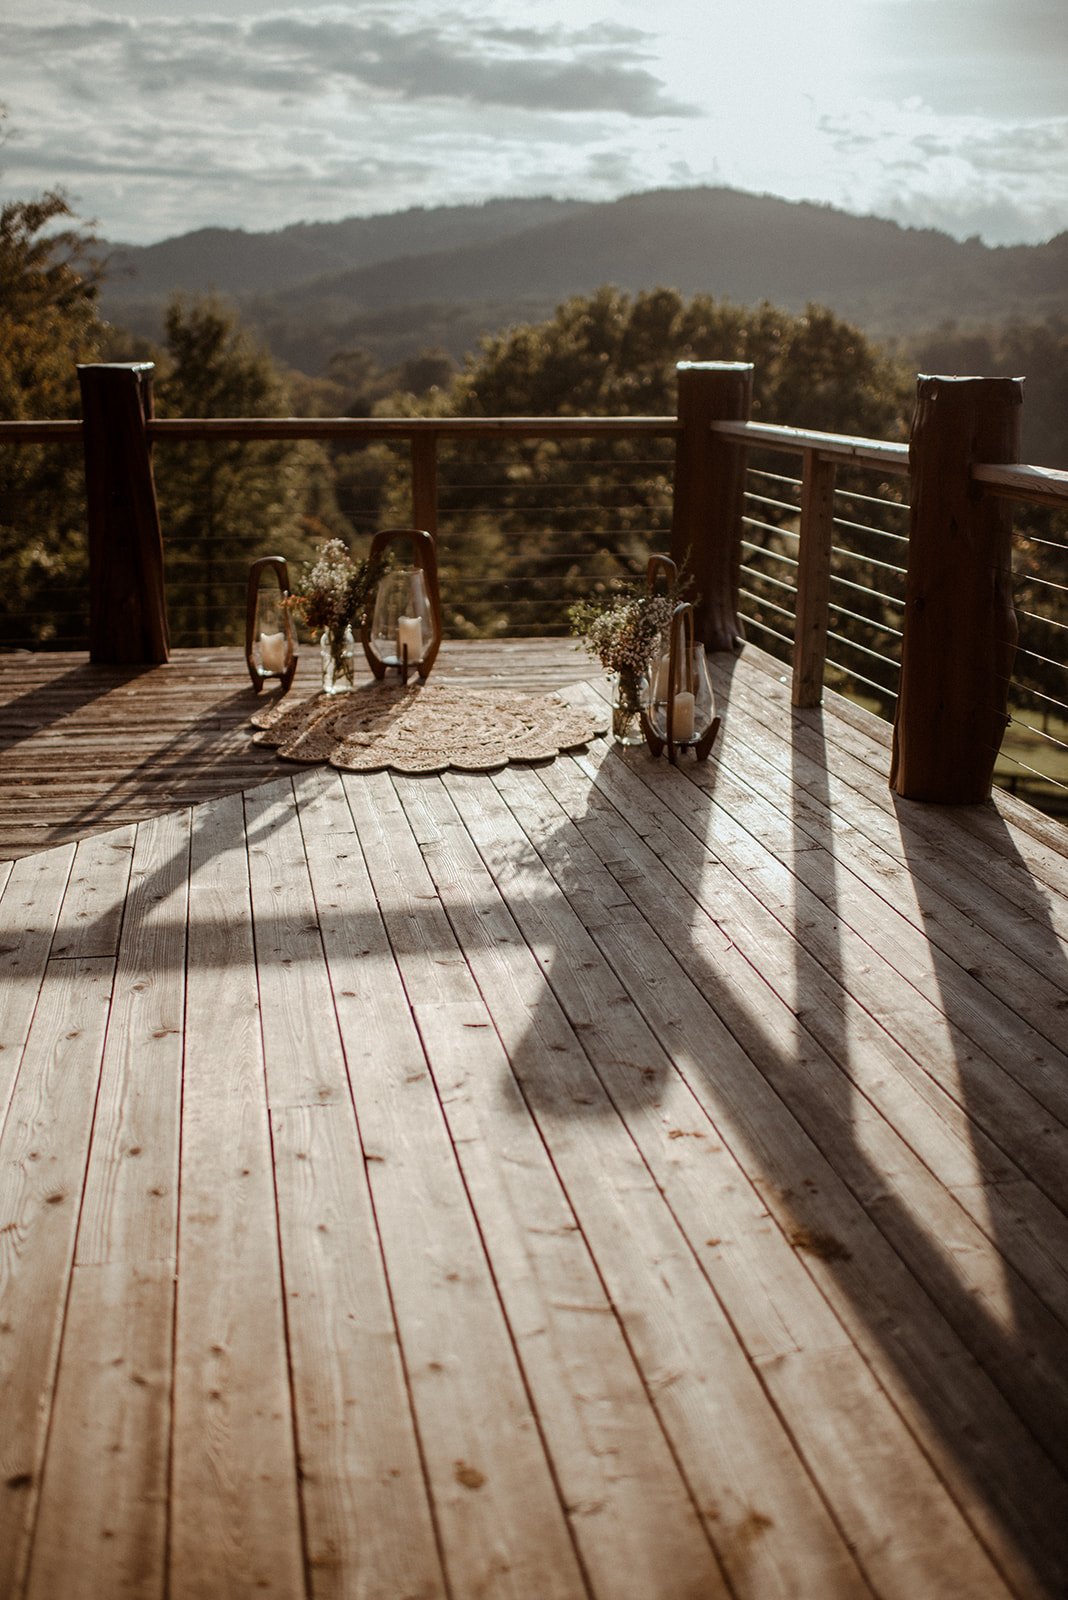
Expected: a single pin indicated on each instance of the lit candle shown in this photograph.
(273, 652)
(682, 729)
(410, 634)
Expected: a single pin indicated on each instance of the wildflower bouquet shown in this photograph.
(622, 632)
(332, 596)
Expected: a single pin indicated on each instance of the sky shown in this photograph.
(157, 117)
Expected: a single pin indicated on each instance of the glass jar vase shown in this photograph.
(337, 654)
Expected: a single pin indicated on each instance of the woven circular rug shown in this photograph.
(424, 728)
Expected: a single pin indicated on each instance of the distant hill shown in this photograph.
(231, 261)
(399, 283)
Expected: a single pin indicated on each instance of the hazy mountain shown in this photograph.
(231, 261)
(401, 282)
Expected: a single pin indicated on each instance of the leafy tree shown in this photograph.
(1038, 350)
(610, 354)
(49, 276)
(223, 503)
(571, 516)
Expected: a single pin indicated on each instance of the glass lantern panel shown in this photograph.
(270, 631)
(697, 682)
(705, 700)
(399, 618)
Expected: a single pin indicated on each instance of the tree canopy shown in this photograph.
(527, 538)
(49, 322)
(615, 354)
(224, 503)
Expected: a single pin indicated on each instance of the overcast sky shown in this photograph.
(159, 116)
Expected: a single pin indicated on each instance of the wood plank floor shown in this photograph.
(84, 748)
(594, 1179)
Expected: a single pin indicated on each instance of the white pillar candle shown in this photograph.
(273, 652)
(682, 728)
(410, 633)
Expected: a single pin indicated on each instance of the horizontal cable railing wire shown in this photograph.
(870, 561)
(769, 605)
(776, 583)
(781, 639)
(868, 589)
(846, 679)
(1039, 788)
(533, 514)
(874, 500)
(768, 553)
(44, 558)
(525, 535)
(867, 528)
(518, 541)
(1033, 760)
(857, 616)
(1036, 616)
(864, 631)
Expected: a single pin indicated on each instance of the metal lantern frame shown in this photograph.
(680, 653)
(425, 560)
(259, 676)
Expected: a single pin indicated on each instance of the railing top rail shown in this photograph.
(406, 427)
(204, 428)
(1037, 485)
(30, 432)
(1046, 486)
(828, 446)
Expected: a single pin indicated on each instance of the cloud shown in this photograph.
(537, 70)
(1005, 180)
(162, 115)
(456, 57)
(980, 56)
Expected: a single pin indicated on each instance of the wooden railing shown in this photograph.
(959, 626)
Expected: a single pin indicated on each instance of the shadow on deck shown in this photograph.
(596, 1178)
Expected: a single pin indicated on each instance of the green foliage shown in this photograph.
(49, 278)
(223, 503)
(611, 354)
(569, 519)
(48, 323)
(1038, 350)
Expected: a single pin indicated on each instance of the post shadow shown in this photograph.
(1030, 1509)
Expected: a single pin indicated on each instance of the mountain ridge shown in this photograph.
(398, 282)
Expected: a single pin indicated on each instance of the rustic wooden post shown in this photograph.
(425, 481)
(960, 626)
(706, 525)
(813, 579)
(127, 596)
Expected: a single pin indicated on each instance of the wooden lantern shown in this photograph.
(660, 566)
(270, 651)
(405, 626)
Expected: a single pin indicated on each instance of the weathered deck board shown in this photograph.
(599, 1180)
(43, 1149)
(85, 748)
(235, 1521)
(849, 1417)
(828, 1212)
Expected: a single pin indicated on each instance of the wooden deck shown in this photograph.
(594, 1179)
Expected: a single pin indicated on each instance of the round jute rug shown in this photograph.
(424, 728)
